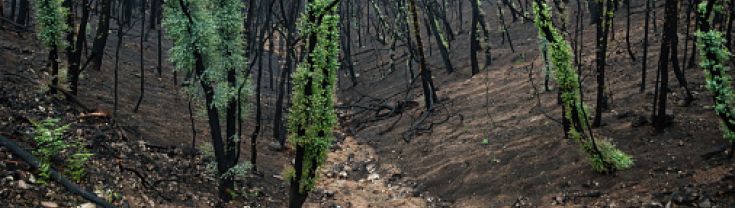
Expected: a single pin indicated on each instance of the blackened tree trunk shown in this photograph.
(142, 62)
(677, 70)
(441, 39)
(692, 57)
(75, 58)
(687, 22)
(259, 86)
(13, 5)
(346, 39)
(627, 30)
(158, 11)
(474, 42)
(644, 64)
(69, 5)
(290, 14)
(426, 80)
(505, 27)
(603, 28)
(153, 18)
(100, 40)
(23, 11)
(53, 57)
(730, 20)
(127, 13)
(120, 36)
(659, 118)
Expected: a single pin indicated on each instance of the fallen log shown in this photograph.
(56, 176)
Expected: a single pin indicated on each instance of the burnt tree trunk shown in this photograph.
(443, 50)
(659, 118)
(346, 39)
(474, 42)
(120, 36)
(627, 30)
(279, 129)
(142, 62)
(54, 59)
(23, 11)
(426, 80)
(75, 58)
(100, 40)
(603, 28)
(644, 64)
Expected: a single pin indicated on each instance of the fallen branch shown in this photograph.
(56, 176)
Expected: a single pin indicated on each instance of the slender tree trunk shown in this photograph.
(159, 13)
(730, 20)
(692, 57)
(193, 127)
(142, 62)
(677, 70)
(505, 27)
(426, 80)
(75, 58)
(603, 27)
(117, 64)
(460, 13)
(474, 42)
(653, 12)
(441, 43)
(23, 11)
(297, 198)
(256, 130)
(644, 64)
(100, 40)
(54, 59)
(258, 114)
(346, 39)
(279, 129)
(660, 119)
(13, 5)
(686, 36)
(627, 30)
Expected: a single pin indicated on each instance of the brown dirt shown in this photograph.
(526, 160)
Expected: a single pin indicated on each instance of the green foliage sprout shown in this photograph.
(51, 24)
(603, 155)
(75, 169)
(216, 31)
(312, 116)
(49, 144)
(714, 56)
(48, 137)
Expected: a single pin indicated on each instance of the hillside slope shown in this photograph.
(525, 159)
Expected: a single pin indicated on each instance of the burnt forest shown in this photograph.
(367, 103)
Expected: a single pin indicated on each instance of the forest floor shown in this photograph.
(493, 140)
(145, 158)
